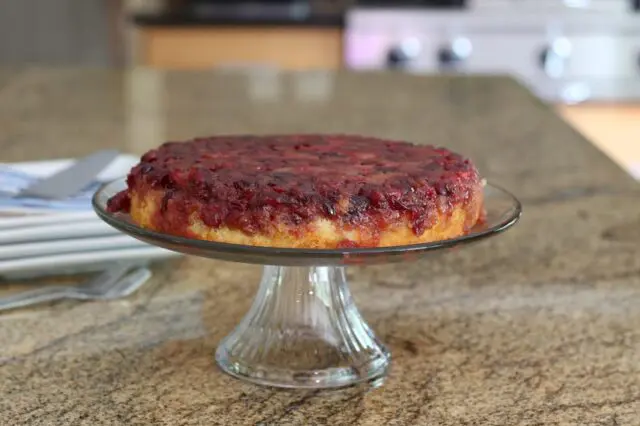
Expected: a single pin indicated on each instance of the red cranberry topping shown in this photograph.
(119, 202)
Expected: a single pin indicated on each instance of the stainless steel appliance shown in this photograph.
(564, 50)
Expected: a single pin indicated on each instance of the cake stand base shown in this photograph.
(303, 331)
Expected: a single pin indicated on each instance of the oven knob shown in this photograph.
(455, 52)
(447, 56)
(544, 56)
(403, 54)
(553, 58)
(396, 58)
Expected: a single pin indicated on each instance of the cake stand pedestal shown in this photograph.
(303, 329)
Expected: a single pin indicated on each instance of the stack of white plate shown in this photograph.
(41, 237)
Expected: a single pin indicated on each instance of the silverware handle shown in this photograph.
(33, 297)
(128, 284)
(107, 278)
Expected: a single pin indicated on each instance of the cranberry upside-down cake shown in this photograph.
(303, 191)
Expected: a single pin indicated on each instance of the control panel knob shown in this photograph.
(447, 56)
(552, 58)
(543, 57)
(403, 54)
(396, 58)
(455, 53)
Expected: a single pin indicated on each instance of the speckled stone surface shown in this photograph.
(539, 326)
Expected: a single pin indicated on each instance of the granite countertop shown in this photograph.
(537, 326)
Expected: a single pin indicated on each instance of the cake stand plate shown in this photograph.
(303, 329)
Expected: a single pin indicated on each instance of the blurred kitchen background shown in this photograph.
(583, 56)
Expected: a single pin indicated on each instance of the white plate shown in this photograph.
(41, 248)
(45, 219)
(40, 241)
(56, 231)
(81, 262)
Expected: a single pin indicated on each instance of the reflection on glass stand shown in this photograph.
(303, 329)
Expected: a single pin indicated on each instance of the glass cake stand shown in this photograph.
(303, 330)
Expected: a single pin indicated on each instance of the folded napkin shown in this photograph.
(16, 176)
(13, 181)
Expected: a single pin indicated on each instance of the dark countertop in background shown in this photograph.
(191, 20)
(335, 17)
(539, 325)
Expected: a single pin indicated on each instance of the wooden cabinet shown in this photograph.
(615, 129)
(207, 47)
